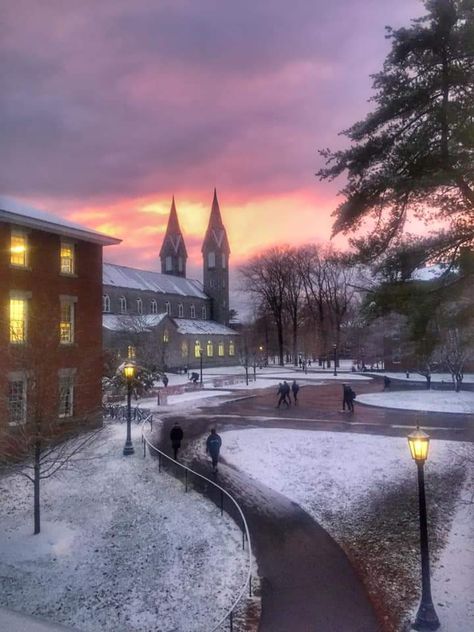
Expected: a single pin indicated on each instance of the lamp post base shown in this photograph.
(426, 618)
(128, 449)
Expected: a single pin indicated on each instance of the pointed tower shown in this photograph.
(173, 253)
(215, 253)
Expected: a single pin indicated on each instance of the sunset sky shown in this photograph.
(110, 107)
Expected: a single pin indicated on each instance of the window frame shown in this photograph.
(153, 306)
(70, 302)
(66, 395)
(211, 260)
(67, 244)
(168, 308)
(105, 304)
(19, 297)
(18, 378)
(139, 305)
(192, 311)
(123, 305)
(19, 232)
(180, 310)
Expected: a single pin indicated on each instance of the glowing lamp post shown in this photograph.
(129, 373)
(426, 618)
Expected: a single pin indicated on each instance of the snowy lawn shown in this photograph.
(122, 547)
(431, 401)
(363, 491)
(416, 377)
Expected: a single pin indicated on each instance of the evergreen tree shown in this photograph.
(414, 152)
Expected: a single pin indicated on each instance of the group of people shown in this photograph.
(284, 393)
(213, 444)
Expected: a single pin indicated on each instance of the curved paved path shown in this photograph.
(308, 583)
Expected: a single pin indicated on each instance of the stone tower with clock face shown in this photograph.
(215, 253)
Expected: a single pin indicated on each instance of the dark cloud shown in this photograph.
(108, 99)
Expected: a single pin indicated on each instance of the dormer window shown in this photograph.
(106, 303)
(168, 308)
(19, 248)
(123, 305)
(211, 260)
(180, 310)
(139, 306)
(153, 307)
(67, 258)
(193, 311)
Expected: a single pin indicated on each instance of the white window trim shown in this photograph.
(71, 244)
(68, 300)
(203, 312)
(153, 307)
(23, 233)
(67, 374)
(168, 308)
(19, 376)
(180, 310)
(139, 306)
(106, 304)
(21, 295)
(192, 311)
(123, 304)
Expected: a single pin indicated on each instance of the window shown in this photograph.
(180, 310)
(131, 352)
(220, 349)
(168, 308)
(66, 395)
(193, 311)
(210, 349)
(139, 306)
(153, 307)
(66, 322)
(106, 303)
(224, 261)
(67, 258)
(180, 264)
(19, 249)
(184, 349)
(203, 312)
(123, 305)
(211, 260)
(231, 348)
(197, 349)
(17, 400)
(168, 264)
(166, 336)
(18, 320)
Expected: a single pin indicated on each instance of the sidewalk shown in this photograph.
(15, 622)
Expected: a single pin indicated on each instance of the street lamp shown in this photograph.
(426, 618)
(335, 359)
(129, 373)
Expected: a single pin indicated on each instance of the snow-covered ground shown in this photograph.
(122, 547)
(430, 401)
(335, 476)
(416, 377)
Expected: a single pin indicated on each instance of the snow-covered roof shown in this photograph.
(15, 212)
(195, 327)
(133, 278)
(138, 323)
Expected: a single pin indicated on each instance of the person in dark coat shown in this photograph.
(281, 395)
(165, 380)
(386, 383)
(286, 393)
(348, 397)
(213, 446)
(295, 388)
(176, 436)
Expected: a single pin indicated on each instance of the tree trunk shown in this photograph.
(36, 494)
(280, 342)
(295, 341)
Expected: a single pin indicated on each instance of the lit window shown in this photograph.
(153, 307)
(168, 308)
(166, 336)
(231, 348)
(131, 352)
(184, 349)
(197, 349)
(168, 264)
(180, 310)
(210, 349)
(18, 320)
(193, 311)
(211, 260)
(123, 305)
(139, 306)
(19, 249)
(106, 303)
(66, 324)
(66, 396)
(203, 312)
(17, 401)
(67, 258)
(220, 349)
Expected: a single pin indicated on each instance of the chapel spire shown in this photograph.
(173, 253)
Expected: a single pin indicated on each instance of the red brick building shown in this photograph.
(50, 320)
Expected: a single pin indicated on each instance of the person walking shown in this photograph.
(213, 446)
(286, 393)
(176, 436)
(281, 395)
(295, 388)
(165, 380)
(350, 399)
(346, 398)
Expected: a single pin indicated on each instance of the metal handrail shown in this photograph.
(245, 530)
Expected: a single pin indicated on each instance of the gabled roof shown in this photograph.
(14, 212)
(133, 278)
(216, 235)
(195, 327)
